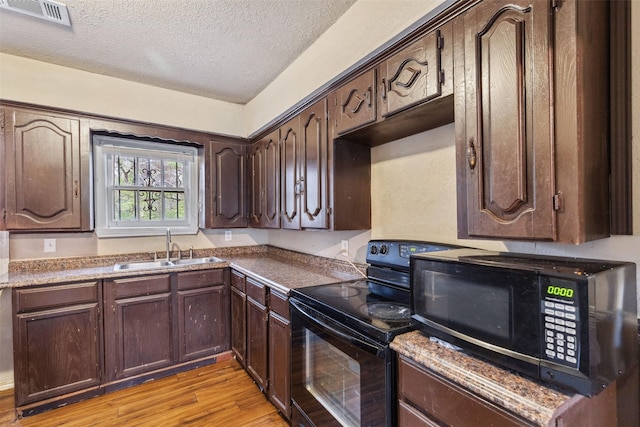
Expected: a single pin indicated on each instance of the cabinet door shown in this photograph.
(57, 341)
(203, 313)
(226, 169)
(239, 325)
(412, 75)
(47, 167)
(505, 164)
(313, 162)
(280, 363)
(257, 322)
(290, 174)
(354, 104)
(265, 182)
(138, 327)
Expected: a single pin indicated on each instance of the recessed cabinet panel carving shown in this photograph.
(313, 161)
(413, 75)
(44, 171)
(265, 178)
(354, 103)
(507, 154)
(290, 173)
(228, 171)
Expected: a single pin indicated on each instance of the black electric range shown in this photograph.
(378, 306)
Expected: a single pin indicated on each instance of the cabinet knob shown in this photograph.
(471, 154)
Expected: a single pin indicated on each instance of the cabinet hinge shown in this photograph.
(558, 201)
(440, 42)
(555, 4)
(441, 76)
(329, 211)
(1, 119)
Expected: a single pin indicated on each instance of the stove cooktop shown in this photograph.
(357, 306)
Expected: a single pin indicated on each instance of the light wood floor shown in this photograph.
(217, 395)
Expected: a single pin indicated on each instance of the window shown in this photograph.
(142, 188)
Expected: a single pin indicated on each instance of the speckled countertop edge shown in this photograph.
(526, 398)
(279, 268)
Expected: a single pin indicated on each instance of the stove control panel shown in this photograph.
(396, 253)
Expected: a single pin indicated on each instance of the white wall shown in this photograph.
(46, 84)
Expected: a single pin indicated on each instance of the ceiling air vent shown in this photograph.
(44, 9)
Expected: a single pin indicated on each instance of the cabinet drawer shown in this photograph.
(280, 304)
(138, 286)
(408, 416)
(238, 280)
(200, 278)
(447, 402)
(55, 296)
(256, 291)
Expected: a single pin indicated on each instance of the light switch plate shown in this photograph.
(227, 235)
(49, 245)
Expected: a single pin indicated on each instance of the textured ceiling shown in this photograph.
(223, 49)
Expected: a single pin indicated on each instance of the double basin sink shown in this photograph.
(146, 265)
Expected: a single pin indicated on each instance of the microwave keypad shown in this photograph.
(561, 332)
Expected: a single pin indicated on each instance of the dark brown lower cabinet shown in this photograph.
(138, 325)
(280, 353)
(261, 337)
(57, 333)
(203, 313)
(257, 332)
(238, 317)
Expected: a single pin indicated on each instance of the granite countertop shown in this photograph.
(278, 268)
(524, 397)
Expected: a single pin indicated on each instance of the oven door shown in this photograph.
(338, 377)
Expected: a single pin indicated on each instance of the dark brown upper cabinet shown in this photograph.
(414, 92)
(46, 170)
(412, 75)
(354, 103)
(304, 145)
(531, 121)
(264, 176)
(226, 188)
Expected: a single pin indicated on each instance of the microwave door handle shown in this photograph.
(349, 338)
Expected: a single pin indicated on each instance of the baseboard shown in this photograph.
(6, 384)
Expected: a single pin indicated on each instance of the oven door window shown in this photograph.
(333, 378)
(337, 379)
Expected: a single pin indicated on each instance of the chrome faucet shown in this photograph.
(168, 244)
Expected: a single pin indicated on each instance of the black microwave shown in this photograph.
(565, 321)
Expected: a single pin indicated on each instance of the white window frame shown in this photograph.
(104, 149)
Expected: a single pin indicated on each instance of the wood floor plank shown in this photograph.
(221, 394)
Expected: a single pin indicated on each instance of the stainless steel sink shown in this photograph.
(193, 261)
(142, 265)
(146, 265)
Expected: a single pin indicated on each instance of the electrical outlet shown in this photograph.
(344, 247)
(49, 245)
(228, 236)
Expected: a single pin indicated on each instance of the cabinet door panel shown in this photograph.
(57, 352)
(256, 163)
(138, 326)
(313, 161)
(239, 325)
(412, 75)
(203, 326)
(290, 174)
(257, 323)
(271, 190)
(509, 168)
(280, 363)
(354, 103)
(226, 163)
(43, 155)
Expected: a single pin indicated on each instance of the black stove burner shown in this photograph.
(387, 311)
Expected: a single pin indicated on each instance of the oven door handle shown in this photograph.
(364, 345)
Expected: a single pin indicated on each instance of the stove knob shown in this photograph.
(384, 249)
(373, 250)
